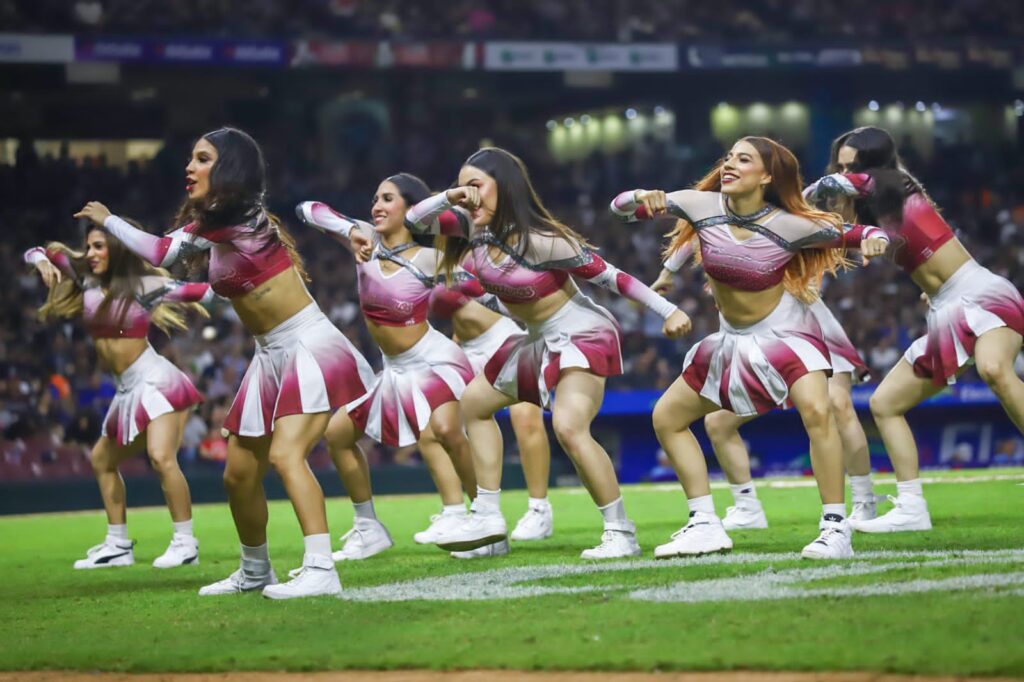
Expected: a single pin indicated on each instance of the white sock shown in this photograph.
(744, 493)
(453, 509)
(182, 527)
(256, 560)
(540, 503)
(487, 501)
(614, 512)
(909, 488)
(117, 531)
(365, 510)
(862, 488)
(319, 543)
(703, 504)
(835, 510)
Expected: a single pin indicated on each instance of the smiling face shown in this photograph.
(388, 211)
(846, 158)
(743, 170)
(197, 172)
(471, 176)
(97, 255)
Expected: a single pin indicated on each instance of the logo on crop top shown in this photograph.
(507, 292)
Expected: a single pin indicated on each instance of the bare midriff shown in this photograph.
(117, 355)
(273, 302)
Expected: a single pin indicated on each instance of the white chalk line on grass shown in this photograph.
(809, 482)
(771, 583)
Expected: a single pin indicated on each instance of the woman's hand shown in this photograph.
(362, 245)
(50, 273)
(873, 247)
(466, 197)
(654, 200)
(665, 282)
(677, 324)
(94, 211)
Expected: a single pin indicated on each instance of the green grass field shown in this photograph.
(951, 601)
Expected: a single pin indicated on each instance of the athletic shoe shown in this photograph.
(909, 514)
(184, 549)
(499, 548)
(863, 510)
(536, 524)
(704, 534)
(833, 542)
(748, 516)
(316, 578)
(440, 524)
(367, 537)
(238, 582)
(474, 530)
(618, 541)
(108, 554)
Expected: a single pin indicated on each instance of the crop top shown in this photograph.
(242, 257)
(526, 277)
(757, 262)
(400, 298)
(918, 236)
(154, 289)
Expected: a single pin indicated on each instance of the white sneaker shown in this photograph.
(440, 525)
(499, 548)
(536, 524)
(316, 578)
(367, 537)
(704, 534)
(238, 582)
(107, 554)
(474, 530)
(863, 510)
(833, 542)
(910, 513)
(617, 541)
(184, 549)
(749, 516)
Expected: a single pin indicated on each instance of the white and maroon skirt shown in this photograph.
(304, 365)
(410, 387)
(581, 334)
(842, 353)
(749, 370)
(151, 387)
(482, 348)
(971, 302)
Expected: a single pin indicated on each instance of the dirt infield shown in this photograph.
(481, 676)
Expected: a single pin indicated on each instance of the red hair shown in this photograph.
(804, 271)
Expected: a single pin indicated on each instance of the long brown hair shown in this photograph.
(802, 277)
(238, 188)
(121, 281)
(518, 213)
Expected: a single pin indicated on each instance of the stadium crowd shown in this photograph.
(769, 21)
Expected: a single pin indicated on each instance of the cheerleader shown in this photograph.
(118, 296)
(495, 223)
(974, 315)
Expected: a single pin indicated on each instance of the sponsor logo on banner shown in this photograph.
(505, 56)
(53, 49)
(262, 53)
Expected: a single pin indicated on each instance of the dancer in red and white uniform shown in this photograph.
(415, 396)
(763, 249)
(974, 315)
(303, 368)
(118, 296)
(722, 426)
(496, 224)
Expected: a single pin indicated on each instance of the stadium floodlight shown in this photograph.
(873, 105)
(659, 111)
(920, 106)
(551, 125)
(630, 113)
(569, 122)
(585, 119)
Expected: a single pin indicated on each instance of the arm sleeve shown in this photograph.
(628, 208)
(436, 215)
(322, 217)
(807, 233)
(157, 290)
(840, 184)
(37, 254)
(159, 251)
(678, 258)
